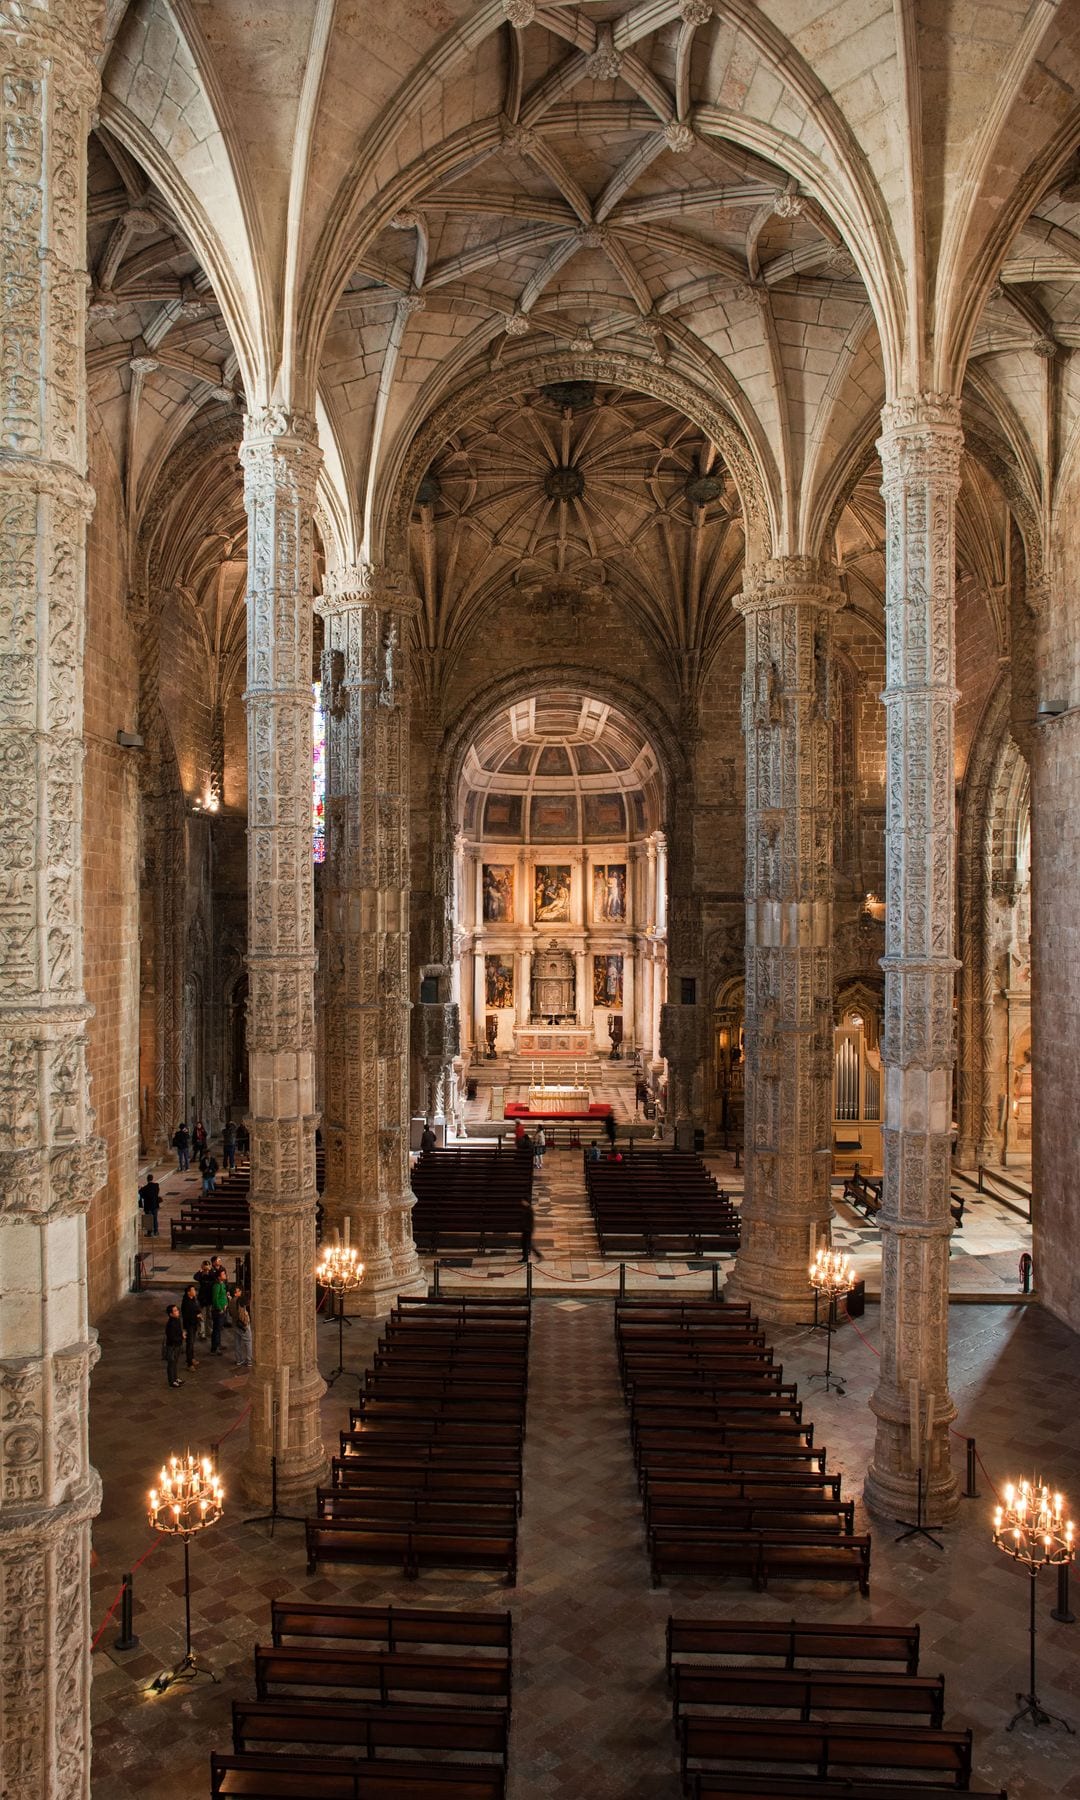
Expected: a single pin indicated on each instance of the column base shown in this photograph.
(770, 1297)
(893, 1494)
(374, 1299)
(297, 1480)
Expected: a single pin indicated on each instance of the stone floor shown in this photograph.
(591, 1714)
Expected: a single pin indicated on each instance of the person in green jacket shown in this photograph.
(219, 1306)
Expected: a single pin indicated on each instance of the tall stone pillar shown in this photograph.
(51, 1162)
(367, 613)
(920, 453)
(280, 458)
(788, 609)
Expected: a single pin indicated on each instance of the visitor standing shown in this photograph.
(190, 1316)
(241, 1319)
(182, 1146)
(205, 1283)
(208, 1168)
(539, 1146)
(150, 1201)
(609, 1127)
(173, 1344)
(228, 1146)
(428, 1139)
(199, 1139)
(219, 1306)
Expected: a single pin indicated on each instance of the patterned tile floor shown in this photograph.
(591, 1714)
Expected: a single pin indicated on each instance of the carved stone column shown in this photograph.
(280, 457)
(788, 609)
(51, 1162)
(920, 453)
(367, 613)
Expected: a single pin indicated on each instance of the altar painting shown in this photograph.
(551, 894)
(499, 981)
(609, 893)
(498, 885)
(607, 981)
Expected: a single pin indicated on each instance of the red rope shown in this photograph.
(239, 1420)
(94, 1641)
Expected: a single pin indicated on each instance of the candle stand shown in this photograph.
(188, 1499)
(278, 1429)
(831, 1276)
(341, 1271)
(1032, 1529)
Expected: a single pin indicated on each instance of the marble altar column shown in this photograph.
(479, 1002)
(51, 1161)
(629, 1037)
(788, 609)
(920, 450)
(280, 458)
(582, 989)
(523, 995)
(368, 613)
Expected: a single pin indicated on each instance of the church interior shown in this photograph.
(540, 754)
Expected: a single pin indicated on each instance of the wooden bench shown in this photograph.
(360, 1474)
(664, 1484)
(712, 1786)
(761, 1554)
(802, 1512)
(792, 1643)
(369, 1730)
(828, 1748)
(864, 1192)
(806, 1691)
(740, 1456)
(440, 1540)
(382, 1675)
(394, 1627)
(255, 1775)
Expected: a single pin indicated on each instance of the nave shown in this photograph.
(591, 1712)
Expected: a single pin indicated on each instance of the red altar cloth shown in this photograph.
(599, 1109)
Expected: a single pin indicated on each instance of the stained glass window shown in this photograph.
(318, 776)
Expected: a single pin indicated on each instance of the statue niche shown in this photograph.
(553, 985)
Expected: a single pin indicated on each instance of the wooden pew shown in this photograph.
(761, 1554)
(369, 1730)
(258, 1776)
(806, 1691)
(716, 1786)
(393, 1627)
(828, 1748)
(792, 1643)
(382, 1675)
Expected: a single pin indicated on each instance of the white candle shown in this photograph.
(916, 1423)
(929, 1419)
(268, 1402)
(283, 1410)
(348, 1226)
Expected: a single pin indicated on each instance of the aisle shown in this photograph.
(591, 1714)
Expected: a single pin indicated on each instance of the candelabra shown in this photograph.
(342, 1272)
(1032, 1528)
(189, 1497)
(831, 1275)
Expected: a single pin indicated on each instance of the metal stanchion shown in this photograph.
(528, 1280)
(127, 1639)
(1063, 1612)
(716, 1281)
(971, 1492)
(435, 1276)
(622, 1281)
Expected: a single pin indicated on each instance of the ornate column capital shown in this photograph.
(920, 439)
(790, 581)
(383, 586)
(280, 450)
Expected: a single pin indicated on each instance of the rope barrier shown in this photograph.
(239, 1420)
(95, 1640)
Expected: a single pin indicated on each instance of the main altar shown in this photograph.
(565, 1041)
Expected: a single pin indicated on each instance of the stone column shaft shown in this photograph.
(920, 452)
(368, 613)
(280, 457)
(788, 610)
(51, 1161)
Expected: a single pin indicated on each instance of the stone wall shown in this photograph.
(111, 896)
